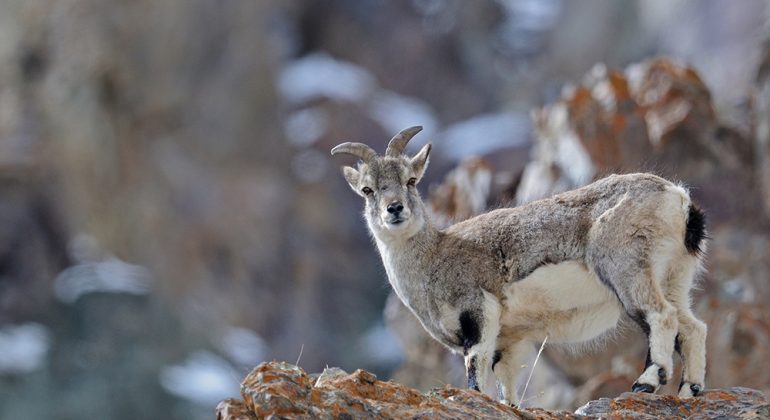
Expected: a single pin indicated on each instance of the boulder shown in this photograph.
(657, 115)
(282, 390)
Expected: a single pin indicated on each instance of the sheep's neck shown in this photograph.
(405, 262)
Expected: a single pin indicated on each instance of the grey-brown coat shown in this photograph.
(566, 267)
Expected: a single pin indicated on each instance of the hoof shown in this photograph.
(637, 387)
(687, 390)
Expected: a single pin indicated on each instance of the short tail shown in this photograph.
(695, 231)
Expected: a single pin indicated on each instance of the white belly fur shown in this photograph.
(564, 301)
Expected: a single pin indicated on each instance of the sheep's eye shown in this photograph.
(367, 191)
(411, 182)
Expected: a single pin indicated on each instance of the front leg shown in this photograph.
(506, 365)
(477, 361)
(478, 332)
(476, 370)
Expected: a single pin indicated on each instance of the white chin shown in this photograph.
(396, 226)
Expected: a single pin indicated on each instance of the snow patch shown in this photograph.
(305, 127)
(319, 75)
(243, 346)
(203, 378)
(394, 112)
(484, 134)
(23, 348)
(110, 276)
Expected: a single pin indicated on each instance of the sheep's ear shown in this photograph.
(352, 176)
(420, 161)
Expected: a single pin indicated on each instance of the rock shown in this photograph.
(603, 384)
(657, 115)
(282, 390)
(463, 193)
(736, 402)
(741, 336)
(233, 409)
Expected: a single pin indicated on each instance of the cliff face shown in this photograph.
(283, 390)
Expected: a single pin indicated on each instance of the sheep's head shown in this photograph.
(387, 183)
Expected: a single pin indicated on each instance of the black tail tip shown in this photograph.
(695, 231)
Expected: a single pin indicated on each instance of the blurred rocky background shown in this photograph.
(170, 215)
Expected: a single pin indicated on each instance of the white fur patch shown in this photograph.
(685, 391)
(683, 194)
(397, 271)
(564, 301)
(650, 376)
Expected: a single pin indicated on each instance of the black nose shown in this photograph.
(395, 207)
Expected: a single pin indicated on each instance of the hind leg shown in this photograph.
(692, 331)
(637, 289)
(660, 322)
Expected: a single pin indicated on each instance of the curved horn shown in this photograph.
(358, 150)
(398, 142)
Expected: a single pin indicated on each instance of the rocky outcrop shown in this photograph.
(282, 390)
(657, 115)
(733, 403)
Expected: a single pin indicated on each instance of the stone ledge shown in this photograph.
(282, 390)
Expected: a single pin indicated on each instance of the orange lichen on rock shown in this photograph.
(233, 409)
(282, 390)
(671, 94)
(734, 403)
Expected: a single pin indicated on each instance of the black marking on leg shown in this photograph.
(637, 387)
(470, 330)
(678, 345)
(496, 358)
(681, 384)
(473, 382)
(662, 376)
(648, 359)
(695, 231)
